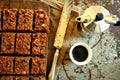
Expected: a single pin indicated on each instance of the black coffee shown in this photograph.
(80, 53)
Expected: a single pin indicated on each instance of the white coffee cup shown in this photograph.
(80, 53)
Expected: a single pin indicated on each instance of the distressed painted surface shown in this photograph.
(105, 63)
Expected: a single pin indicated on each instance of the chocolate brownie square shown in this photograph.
(25, 19)
(38, 78)
(38, 66)
(21, 65)
(7, 45)
(23, 41)
(35, 78)
(6, 65)
(21, 78)
(41, 20)
(42, 78)
(6, 78)
(9, 19)
(39, 43)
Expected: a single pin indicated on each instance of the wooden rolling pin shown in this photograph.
(59, 38)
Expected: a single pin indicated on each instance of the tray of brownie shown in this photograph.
(24, 29)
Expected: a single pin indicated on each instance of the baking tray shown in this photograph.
(25, 5)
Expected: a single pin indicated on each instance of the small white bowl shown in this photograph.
(89, 57)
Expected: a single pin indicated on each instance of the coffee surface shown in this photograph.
(80, 53)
